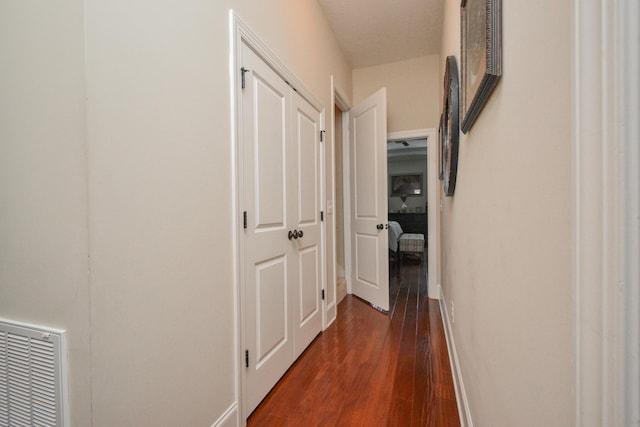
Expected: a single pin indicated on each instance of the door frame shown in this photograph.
(346, 195)
(433, 203)
(239, 33)
(337, 100)
(606, 208)
(433, 197)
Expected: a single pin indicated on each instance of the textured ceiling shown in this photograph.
(373, 32)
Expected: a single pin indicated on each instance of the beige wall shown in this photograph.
(117, 207)
(43, 179)
(506, 251)
(413, 97)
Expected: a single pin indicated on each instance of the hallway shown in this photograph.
(368, 369)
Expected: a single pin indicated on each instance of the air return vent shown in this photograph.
(32, 376)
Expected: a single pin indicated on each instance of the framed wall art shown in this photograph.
(481, 54)
(450, 138)
(409, 184)
(439, 150)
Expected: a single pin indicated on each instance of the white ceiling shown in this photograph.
(373, 32)
(407, 149)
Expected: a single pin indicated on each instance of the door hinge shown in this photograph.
(323, 295)
(291, 86)
(242, 73)
(322, 135)
(244, 219)
(246, 358)
(321, 216)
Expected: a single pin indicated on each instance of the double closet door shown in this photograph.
(282, 257)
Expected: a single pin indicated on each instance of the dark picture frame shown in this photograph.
(409, 184)
(440, 147)
(450, 134)
(481, 55)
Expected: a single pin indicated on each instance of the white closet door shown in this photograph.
(308, 301)
(282, 240)
(270, 266)
(368, 177)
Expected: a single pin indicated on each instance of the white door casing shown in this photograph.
(368, 189)
(606, 212)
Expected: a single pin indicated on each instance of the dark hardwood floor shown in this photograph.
(371, 369)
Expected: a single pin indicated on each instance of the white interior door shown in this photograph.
(306, 140)
(368, 186)
(269, 257)
(282, 236)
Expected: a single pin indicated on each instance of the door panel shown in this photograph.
(306, 139)
(366, 165)
(366, 250)
(309, 298)
(268, 272)
(368, 177)
(269, 148)
(308, 163)
(271, 308)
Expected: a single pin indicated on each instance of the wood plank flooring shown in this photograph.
(371, 369)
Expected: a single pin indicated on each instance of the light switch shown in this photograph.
(329, 206)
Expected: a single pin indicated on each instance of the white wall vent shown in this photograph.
(33, 383)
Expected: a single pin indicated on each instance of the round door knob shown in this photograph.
(290, 234)
(300, 234)
(295, 234)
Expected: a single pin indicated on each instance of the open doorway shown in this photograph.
(407, 169)
(341, 118)
(364, 136)
(408, 176)
(411, 160)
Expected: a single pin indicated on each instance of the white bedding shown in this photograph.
(395, 230)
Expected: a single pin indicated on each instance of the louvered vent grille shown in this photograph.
(32, 376)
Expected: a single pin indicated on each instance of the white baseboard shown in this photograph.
(461, 395)
(230, 417)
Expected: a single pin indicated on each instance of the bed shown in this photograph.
(401, 243)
